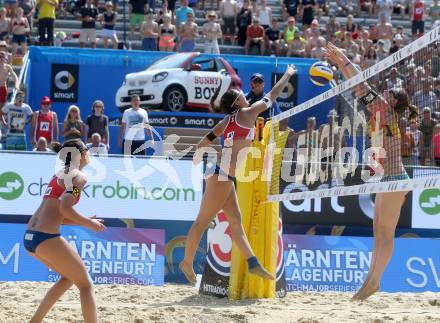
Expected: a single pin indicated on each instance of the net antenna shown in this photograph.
(362, 152)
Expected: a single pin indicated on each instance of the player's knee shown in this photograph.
(84, 284)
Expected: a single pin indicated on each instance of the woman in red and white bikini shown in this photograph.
(42, 238)
(237, 129)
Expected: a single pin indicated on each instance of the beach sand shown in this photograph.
(182, 303)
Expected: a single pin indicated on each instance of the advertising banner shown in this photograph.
(115, 256)
(330, 263)
(117, 187)
(426, 209)
(215, 279)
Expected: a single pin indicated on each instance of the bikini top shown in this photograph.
(55, 190)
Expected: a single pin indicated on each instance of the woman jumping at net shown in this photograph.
(237, 129)
(390, 106)
(42, 238)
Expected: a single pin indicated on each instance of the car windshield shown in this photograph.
(171, 61)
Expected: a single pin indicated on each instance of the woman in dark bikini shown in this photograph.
(42, 238)
(391, 106)
(237, 128)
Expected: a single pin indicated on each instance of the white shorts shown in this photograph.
(109, 33)
(211, 47)
(87, 34)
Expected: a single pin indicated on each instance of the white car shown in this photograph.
(178, 81)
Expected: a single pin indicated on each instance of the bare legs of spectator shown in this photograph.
(24, 48)
(114, 40)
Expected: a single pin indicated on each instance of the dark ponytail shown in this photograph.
(402, 100)
(212, 105)
(56, 147)
(78, 144)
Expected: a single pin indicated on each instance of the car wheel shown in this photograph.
(174, 99)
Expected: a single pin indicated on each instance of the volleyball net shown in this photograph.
(374, 132)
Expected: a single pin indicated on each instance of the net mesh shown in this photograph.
(337, 144)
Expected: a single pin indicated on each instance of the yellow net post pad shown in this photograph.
(260, 221)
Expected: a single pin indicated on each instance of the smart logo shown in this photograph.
(429, 201)
(64, 80)
(11, 186)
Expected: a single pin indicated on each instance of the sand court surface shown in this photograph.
(181, 303)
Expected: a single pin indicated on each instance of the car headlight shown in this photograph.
(160, 77)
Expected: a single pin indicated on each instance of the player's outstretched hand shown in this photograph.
(290, 69)
(335, 55)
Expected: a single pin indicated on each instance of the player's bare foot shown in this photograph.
(188, 271)
(260, 271)
(364, 292)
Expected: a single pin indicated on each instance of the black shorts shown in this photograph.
(418, 26)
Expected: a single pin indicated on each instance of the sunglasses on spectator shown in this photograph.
(257, 81)
(98, 106)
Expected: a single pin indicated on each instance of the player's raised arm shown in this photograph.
(266, 101)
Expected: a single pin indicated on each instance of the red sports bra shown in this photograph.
(55, 190)
(234, 130)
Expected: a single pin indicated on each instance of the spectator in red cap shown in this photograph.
(44, 123)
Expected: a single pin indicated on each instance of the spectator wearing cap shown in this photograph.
(42, 145)
(257, 93)
(289, 32)
(149, 32)
(307, 7)
(46, 20)
(212, 31)
(96, 147)
(255, 36)
(188, 33)
(108, 21)
(17, 115)
(88, 14)
(97, 122)
(44, 123)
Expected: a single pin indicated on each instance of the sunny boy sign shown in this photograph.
(138, 188)
(426, 209)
